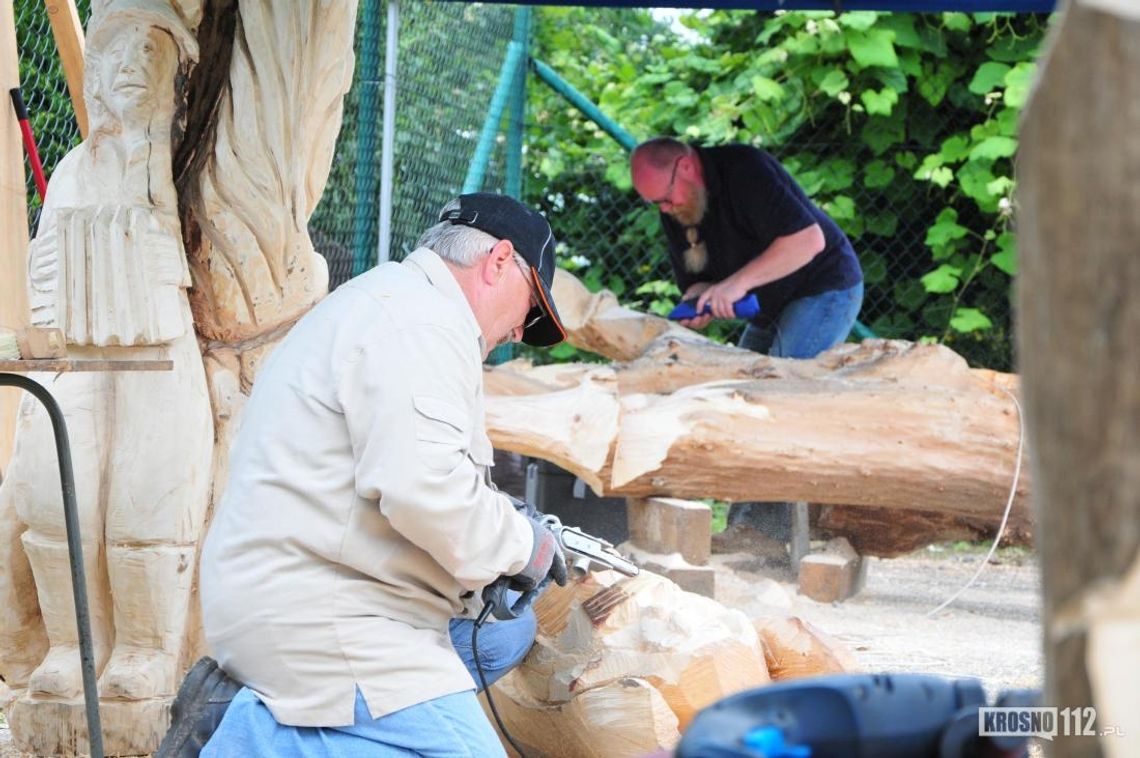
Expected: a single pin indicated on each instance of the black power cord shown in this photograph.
(483, 678)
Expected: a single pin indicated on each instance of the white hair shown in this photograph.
(457, 243)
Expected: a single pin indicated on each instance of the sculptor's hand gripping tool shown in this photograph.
(585, 552)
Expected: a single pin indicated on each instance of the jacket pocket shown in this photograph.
(438, 420)
(441, 432)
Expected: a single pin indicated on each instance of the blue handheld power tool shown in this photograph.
(746, 307)
(854, 716)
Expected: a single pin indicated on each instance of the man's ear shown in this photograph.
(685, 166)
(496, 263)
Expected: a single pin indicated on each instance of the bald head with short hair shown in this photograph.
(658, 153)
(667, 173)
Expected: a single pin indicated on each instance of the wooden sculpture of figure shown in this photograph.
(109, 269)
(120, 242)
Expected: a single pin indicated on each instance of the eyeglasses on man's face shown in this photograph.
(667, 197)
(534, 302)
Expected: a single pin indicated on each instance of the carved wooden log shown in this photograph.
(621, 665)
(793, 648)
(883, 423)
(144, 491)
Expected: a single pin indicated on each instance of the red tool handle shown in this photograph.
(29, 142)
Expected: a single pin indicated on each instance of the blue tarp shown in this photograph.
(912, 6)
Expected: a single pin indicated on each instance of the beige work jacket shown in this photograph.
(358, 517)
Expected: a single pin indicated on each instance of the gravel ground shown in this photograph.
(992, 631)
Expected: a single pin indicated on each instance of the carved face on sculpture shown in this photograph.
(137, 69)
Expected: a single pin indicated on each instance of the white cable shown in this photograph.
(1008, 505)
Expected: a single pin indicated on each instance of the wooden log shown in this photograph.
(622, 665)
(68, 33)
(598, 323)
(1078, 320)
(887, 424)
(891, 532)
(657, 355)
(883, 423)
(793, 648)
(578, 424)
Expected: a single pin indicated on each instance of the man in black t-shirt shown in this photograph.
(736, 222)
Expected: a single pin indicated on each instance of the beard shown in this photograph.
(691, 213)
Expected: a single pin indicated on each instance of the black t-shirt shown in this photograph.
(752, 201)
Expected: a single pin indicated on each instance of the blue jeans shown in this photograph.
(807, 326)
(451, 726)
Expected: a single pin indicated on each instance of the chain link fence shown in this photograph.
(611, 238)
(449, 56)
(44, 89)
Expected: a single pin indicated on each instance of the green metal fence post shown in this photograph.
(582, 103)
(504, 353)
(368, 92)
(478, 167)
(518, 106)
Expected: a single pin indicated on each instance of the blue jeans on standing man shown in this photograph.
(451, 726)
(806, 327)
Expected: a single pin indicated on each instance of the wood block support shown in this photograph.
(833, 575)
(670, 525)
(698, 579)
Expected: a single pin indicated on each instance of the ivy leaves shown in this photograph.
(920, 113)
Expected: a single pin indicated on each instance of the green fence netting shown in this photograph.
(44, 89)
(449, 55)
(449, 58)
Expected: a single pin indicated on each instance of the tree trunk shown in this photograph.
(883, 423)
(1078, 321)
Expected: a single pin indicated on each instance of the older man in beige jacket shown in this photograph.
(359, 517)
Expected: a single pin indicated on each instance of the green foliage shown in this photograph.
(903, 127)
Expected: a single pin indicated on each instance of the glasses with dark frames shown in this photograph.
(534, 301)
(668, 190)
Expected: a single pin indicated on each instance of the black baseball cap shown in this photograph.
(505, 218)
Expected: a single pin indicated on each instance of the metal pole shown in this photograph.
(75, 554)
(478, 166)
(365, 136)
(582, 103)
(517, 121)
(384, 235)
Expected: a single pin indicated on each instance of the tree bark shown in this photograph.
(1078, 320)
